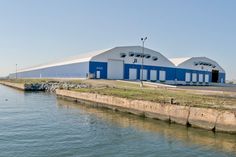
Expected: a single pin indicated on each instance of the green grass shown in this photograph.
(162, 95)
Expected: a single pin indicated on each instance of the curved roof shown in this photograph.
(105, 55)
(197, 63)
(116, 52)
(84, 57)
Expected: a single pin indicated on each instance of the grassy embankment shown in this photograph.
(163, 95)
(188, 97)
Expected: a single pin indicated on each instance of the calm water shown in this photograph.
(39, 124)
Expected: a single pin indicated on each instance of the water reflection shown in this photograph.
(188, 136)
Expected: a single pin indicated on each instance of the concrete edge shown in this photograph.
(205, 118)
(20, 86)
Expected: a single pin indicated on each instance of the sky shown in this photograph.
(34, 32)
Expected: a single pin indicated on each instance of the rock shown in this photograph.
(51, 86)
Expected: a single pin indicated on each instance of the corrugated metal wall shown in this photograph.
(77, 70)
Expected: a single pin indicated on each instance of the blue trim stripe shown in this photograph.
(172, 74)
(98, 66)
(82, 70)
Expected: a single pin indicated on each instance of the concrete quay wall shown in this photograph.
(205, 118)
(20, 86)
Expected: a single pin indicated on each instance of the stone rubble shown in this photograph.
(51, 86)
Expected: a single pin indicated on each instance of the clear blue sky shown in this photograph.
(34, 32)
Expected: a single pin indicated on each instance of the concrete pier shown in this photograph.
(205, 118)
(20, 86)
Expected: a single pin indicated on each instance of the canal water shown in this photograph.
(40, 125)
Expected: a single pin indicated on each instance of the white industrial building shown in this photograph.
(125, 63)
(198, 70)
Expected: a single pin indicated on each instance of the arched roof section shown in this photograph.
(132, 55)
(197, 63)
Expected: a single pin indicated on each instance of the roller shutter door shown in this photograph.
(200, 78)
(115, 69)
(153, 75)
(162, 75)
(132, 74)
(194, 77)
(206, 78)
(144, 74)
(187, 77)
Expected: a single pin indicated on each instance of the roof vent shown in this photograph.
(137, 55)
(154, 58)
(131, 54)
(122, 55)
(204, 64)
(147, 56)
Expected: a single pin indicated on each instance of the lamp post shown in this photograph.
(16, 71)
(141, 79)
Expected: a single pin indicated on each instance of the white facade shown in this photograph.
(197, 63)
(126, 63)
(200, 70)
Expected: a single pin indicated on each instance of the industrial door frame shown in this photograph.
(144, 71)
(136, 70)
(215, 76)
(108, 70)
(156, 72)
(162, 73)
